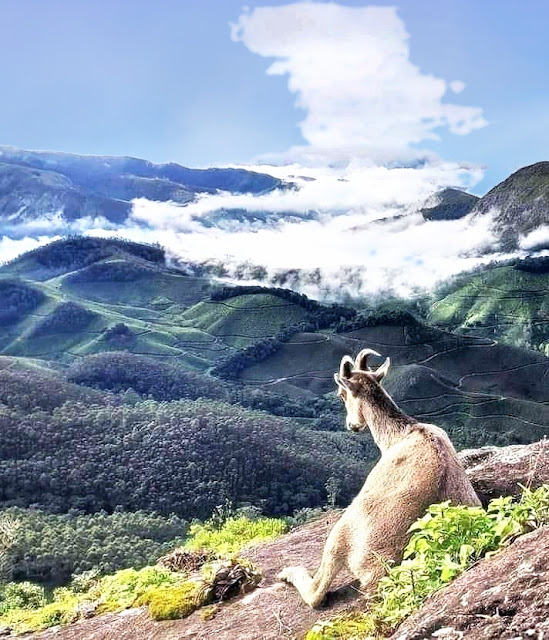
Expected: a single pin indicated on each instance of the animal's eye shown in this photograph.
(342, 395)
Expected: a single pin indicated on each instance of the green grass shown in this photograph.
(164, 310)
(156, 334)
(147, 285)
(235, 534)
(243, 320)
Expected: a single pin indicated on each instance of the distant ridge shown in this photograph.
(34, 184)
(448, 204)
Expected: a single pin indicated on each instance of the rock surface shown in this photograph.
(499, 471)
(506, 596)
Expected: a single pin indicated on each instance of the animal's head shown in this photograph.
(357, 383)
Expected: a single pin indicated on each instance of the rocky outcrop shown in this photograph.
(499, 471)
(506, 596)
(519, 204)
(448, 204)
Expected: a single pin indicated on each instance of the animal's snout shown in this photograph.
(355, 428)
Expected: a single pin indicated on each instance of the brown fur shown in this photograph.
(418, 467)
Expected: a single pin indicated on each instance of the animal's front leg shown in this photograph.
(291, 574)
(313, 590)
(307, 587)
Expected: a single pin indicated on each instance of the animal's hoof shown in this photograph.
(286, 575)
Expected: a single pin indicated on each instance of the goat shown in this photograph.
(418, 467)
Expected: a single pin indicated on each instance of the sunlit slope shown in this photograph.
(504, 303)
(70, 254)
(461, 382)
(83, 296)
(244, 319)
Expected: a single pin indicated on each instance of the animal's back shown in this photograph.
(397, 491)
(420, 470)
(454, 485)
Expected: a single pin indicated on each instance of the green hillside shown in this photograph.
(85, 295)
(244, 319)
(66, 446)
(76, 299)
(102, 339)
(508, 303)
(480, 391)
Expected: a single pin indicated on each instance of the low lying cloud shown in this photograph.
(536, 239)
(53, 224)
(11, 248)
(367, 190)
(390, 249)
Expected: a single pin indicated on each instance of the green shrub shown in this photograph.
(21, 595)
(234, 534)
(8, 531)
(84, 581)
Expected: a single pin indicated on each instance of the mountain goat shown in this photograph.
(418, 467)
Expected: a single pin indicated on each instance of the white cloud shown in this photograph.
(537, 238)
(369, 190)
(54, 223)
(350, 68)
(355, 252)
(10, 248)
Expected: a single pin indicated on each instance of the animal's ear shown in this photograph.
(361, 361)
(342, 383)
(346, 367)
(381, 372)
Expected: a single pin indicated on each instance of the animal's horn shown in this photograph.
(346, 366)
(381, 372)
(361, 361)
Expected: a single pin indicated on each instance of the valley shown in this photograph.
(139, 393)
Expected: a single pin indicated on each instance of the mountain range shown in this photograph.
(37, 184)
(64, 188)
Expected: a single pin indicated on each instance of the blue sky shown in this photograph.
(164, 80)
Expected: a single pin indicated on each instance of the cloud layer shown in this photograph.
(387, 249)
